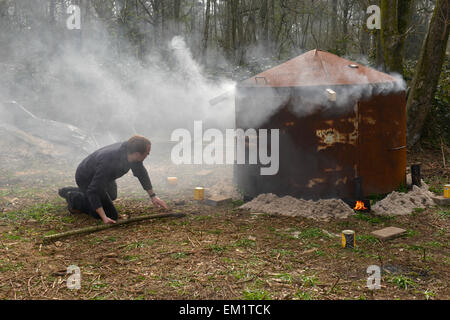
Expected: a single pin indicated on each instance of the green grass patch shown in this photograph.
(286, 277)
(418, 210)
(436, 184)
(135, 245)
(40, 212)
(312, 233)
(429, 294)
(369, 239)
(415, 247)
(411, 233)
(303, 295)
(281, 252)
(11, 236)
(256, 294)
(95, 241)
(227, 260)
(237, 203)
(244, 242)
(132, 258)
(217, 248)
(10, 266)
(374, 198)
(402, 188)
(320, 253)
(435, 244)
(372, 218)
(403, 282)
(239, 274)
(98, 285)
(444, 214)
(179, 255)
(308, 281)
(176, 283)
(202, 218)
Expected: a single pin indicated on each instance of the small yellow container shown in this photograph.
(348, 239)
(447, 191)
(172, 180)
(199, 193)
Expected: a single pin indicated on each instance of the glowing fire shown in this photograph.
(360, 205)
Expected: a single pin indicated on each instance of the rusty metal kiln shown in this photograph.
(338, 121)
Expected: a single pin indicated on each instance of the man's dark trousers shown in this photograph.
(80, 201)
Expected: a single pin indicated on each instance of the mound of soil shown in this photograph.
(289, 206)
(397, 203)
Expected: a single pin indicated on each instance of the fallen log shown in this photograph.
(92, 229)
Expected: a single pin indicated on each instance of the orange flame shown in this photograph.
(360, 205)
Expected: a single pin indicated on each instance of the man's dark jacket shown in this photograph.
(104, 166)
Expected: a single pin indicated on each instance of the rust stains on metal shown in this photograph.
(372, 121)
(313, 182)
(337, 168)
(339, 181)
(330, 136)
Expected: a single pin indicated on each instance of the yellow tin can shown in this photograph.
(199, 193)
(348, 239)
(447, 191)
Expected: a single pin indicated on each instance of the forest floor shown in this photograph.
(214, 252)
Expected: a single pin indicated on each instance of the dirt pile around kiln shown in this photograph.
(289, 206)
(395, 203)
(398, 203)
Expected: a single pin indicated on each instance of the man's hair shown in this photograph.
(138, 143)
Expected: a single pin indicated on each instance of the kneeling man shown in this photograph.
(96, 175)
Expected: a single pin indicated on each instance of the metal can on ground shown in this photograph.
(199, 193)
(348, 239)
(447, 191)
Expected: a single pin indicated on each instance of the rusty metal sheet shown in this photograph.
(322, 153)
(382, 143)
(315, 68)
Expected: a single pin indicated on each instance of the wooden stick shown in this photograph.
(49, 238)
(443, 153)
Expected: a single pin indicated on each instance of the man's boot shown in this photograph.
(64, 191)
(75, 201)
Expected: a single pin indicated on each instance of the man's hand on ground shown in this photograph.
(102, 215)
(108, 221)
(157, 202)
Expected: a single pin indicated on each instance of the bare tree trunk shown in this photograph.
(264, 15)
(395, 16)
(334, 29)
(427, 71)
(234, 25)
(176, 16)
(206, 32)
(345, 17)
